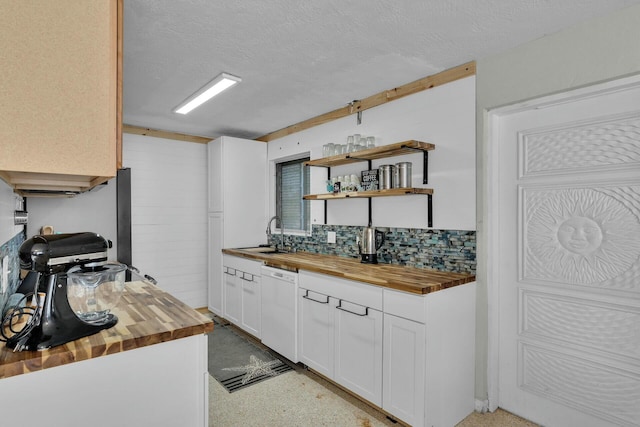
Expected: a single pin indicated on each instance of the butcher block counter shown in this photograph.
(149, 369)
(408, 279)
(146, 315)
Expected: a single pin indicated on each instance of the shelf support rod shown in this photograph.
(369, 200)
(430, 211)
(325, 202)
(425, 168)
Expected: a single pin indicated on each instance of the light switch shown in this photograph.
(331, 236)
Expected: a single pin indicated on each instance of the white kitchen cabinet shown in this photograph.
(341, 332)
(237, 204)
(237, 170)
(316, 331)
(251, 303)
(215, 174)
(215, 272)
(241, 293)
(404, 369)
(232, 291)
(410, 354)
(172, 376)
(358, 350)
(429, 355)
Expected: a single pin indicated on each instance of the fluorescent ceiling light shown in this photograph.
(208, 91)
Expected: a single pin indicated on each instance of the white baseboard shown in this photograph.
(482, 406)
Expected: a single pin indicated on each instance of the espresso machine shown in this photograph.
(62, 307)
(369, 241)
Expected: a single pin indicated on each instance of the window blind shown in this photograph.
(292, 182)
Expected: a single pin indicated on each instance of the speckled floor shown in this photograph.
(300, 398)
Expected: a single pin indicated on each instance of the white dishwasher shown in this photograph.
(280, 311)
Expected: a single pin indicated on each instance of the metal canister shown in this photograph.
(402, 175)
(385, 176)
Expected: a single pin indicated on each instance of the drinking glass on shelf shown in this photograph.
(371, 141)
(332, 149)
(325, 150)
(350, 145)
(356, 138)
(346, 183)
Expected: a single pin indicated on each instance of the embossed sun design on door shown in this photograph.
(570, 296)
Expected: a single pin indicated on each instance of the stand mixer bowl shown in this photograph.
(93, 291)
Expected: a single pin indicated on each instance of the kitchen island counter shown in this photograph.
(149, 369)
(146, 316)
(408, 279)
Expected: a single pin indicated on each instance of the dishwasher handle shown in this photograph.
(278, 274)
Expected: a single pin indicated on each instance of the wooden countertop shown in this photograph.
(146, 315)
(409, 279)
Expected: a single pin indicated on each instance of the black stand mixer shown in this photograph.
(51, 320)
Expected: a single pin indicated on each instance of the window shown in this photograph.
(292, 182)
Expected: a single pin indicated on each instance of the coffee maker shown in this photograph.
(50, 319)
(369, 241)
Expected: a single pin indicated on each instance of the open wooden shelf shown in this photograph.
(369, 194)
(397, 149)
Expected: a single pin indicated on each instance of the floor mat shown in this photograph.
(235, 362)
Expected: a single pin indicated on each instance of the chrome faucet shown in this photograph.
(281, 231)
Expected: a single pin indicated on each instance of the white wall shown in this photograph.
(92, 211)
(9, 202)
(169, 213)
(444, 116)
(598, 50)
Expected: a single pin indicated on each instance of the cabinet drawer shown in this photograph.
(405, 305)
(242, 264)
(349, 290)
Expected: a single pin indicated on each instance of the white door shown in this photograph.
(358, 350)
(251, 304)
(403, 381)
(566, 258)
(316, 331)
(215, 263)
(232, 295)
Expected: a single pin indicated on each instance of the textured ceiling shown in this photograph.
(298, 59)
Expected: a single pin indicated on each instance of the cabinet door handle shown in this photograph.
(366, 310)
(306, 296)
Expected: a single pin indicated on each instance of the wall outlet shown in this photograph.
(331, 236)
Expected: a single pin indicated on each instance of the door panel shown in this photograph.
(358, 335)
(316, 331)
(215, 288)
(569, 260)
(251, 304)
(404, 369)
(232, 295)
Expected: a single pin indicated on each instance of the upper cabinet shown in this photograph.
(61, 110)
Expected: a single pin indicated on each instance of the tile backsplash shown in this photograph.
(445, 250)
(10, 250)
